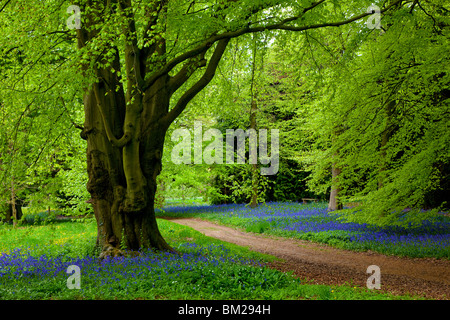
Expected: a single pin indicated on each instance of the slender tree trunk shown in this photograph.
(254, 166)
(253, 112)
(13, 204)
(10, 211)
(334, 202)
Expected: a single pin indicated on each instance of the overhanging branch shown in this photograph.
(282, 25)
(186, 72)
(4, 6)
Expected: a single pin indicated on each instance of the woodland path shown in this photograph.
(322, 264)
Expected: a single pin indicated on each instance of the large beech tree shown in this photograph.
(147, 60)
(142, 62)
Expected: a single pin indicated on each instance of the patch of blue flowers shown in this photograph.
(313, 222)
(195, 268)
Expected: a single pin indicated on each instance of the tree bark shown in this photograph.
(125, 219)
(13, 210)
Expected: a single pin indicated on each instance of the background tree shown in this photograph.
(394, 115)
(36, 137)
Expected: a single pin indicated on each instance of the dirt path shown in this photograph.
(322, 264)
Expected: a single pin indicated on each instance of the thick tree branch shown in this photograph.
(132, 52)
(199, 85)
(125, 139)
(185, 73)
(153, 14)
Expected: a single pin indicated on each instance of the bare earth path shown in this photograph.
(323, 264)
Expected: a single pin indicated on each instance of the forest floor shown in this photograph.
(322, 264)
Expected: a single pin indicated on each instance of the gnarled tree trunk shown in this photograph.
(122, 179)
(125, 127)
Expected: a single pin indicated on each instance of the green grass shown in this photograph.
(177, 235)
(205, 269)
(71, 239)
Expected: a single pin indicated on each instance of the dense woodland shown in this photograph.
(87, 115)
